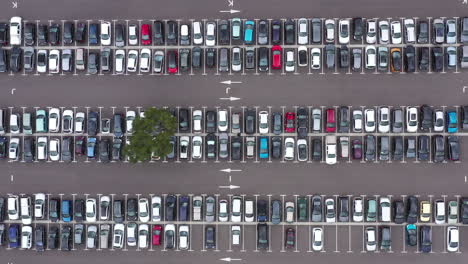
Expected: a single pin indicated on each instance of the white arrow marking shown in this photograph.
(230, 259)
(232, 11)
(230, 98)
(229, 187)
(229, 82)
(229, 170)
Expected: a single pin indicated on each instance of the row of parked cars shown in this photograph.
(300, 31)
(236, 59)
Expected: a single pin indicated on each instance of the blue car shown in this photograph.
(13, 236)
(263, 148)
(66, 210)
(249, 32)
(91, 148)
(452, 124)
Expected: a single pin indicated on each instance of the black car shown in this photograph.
(4, 33)
(118, 210)
(158, 32)
(66, 238)
(42, 35)
(424, 59)
(426, 117)
(39, 237)
(93, 34)
(224, 32)
(171, 212)
(423, 32)
(302, 122)
(262, 236)
(184, 56)
(210, 146)
(67, 149)
(330, 56)
(117, 128)
(223, 60)
(439, 148)
(3, 147)
(289, 32)
(410, 59)
(464, 210)
(171, 33)
(132, 209)
(52, 237)
(104, 150)
(263, 59)
(210, 58)
(93, 63)
(173, 153)
(412, 209)
(54, 34)
(116, 149)
(370, 148)
(276, 148)
(15, 59)
(3, 60)
(316, 208)
(184, 208)
(263, 34)
(464, 117)
(54, 209)
(453, 148)
(396, 60)
(437, 59)
(210, 237)
(344, 57)
(262, 211)
(29, 34)
(425, 241)
(92, 124)
(2, 209)
(302, 57)
(29, 59)
(398, 150)
(343, 125)
(423, 148)
(276, 32)
(80, 33)
(236, 148)
(399, 212)
(343, 206)
(250, 121)
(184, 120)
(358, 28)
(317, 149)
(249, 63)
(68, 32)
(120, 37)
(316, 28)
(79, 210)
(210, 122)
(197, 55)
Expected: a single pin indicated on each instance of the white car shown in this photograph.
(197, 117)
(371, 57)
(104, 207)
(67, 118)
(223, 120)
(357, 120)
(42, 61)
(145, 60)
(263, 125)
(301, 50)
(13, 207)
(439, 212)
(371, 239)
(91, 210)
(385, 209)
(210, 34)
(452, 239)
(330, 213)
(197, 33)
(119, 235)
(330, 145)
(358, 210)
(315, 55)
(39, 205)
(369, 120)
(15, 30)
(290, 208)
(236, 235)
(395, 28)
(13, 149)
(223, 212)
(344, 31)
(289, 148)
(384, 119)
(119, 61)
(439, 121)
(106, 33)
(302, 144)
(249, 210)
(317, 238)
(330, 30)
(79, 122)
(143, 210)
(183, 145)
(410, 30)
(54, 149)
(54, 61)
(371, 36)
(25, 205)
(236, 209)
(14, 124)
(129, 117)
(156, 208)
(133, 35)
(143, 236)
(197, 143)
(384, 32)
(41, 153)
(411, 119)
(54, 120)
(91, 236)
(290, 64)
(184, 237)
(131, 234)
(302, 31)
(197, 208)
(132, 60)
(26, 237)
(236, 60)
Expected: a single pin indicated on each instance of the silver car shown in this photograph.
(316, 120)
(158, 61)
(210, 210)
(91, 236)
(67, 59)
(451, 30)
(451, 57)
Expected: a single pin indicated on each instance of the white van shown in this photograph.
(249, 210)
(26, 210)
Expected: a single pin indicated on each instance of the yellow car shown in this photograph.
(425, 213)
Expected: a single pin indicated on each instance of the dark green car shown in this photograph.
(302, 209)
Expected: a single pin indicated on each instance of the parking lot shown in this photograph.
(343, 242)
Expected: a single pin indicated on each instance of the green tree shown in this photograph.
(151, 135)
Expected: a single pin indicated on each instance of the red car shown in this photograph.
(276, 54)
(157, 234)
(172, 66)
(289, 122)
(146, 34)
(331, 121)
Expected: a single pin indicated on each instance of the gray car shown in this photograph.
(223, 60)
(464, 57)
(223, 146)
(67, 60)
(397, 125)
(29, 59)
(317, 212)
(451, 57)
(210, 209)
(78, 234)
(277, 124)
(464, 30)
(438, 31)
(276, 212)
(91, 236)
(262, 34)
(356, 59)
(330, 56)
(451, 30)
(316, 30)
